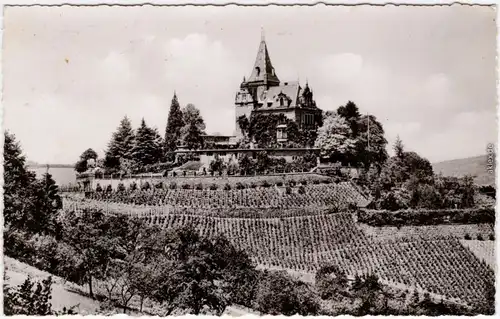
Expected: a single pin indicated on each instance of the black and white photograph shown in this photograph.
(319, 160)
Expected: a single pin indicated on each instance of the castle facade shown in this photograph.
(264, 93)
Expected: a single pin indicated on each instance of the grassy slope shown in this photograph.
(476, 166)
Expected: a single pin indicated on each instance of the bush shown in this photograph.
(159, 185)
(316, 182)
(491, 237)
(303, 182)
(301, 189)
(227, 187)
(326, 181)
(253, 185)
(98, 188)
(186, 186)
(172, 185)
(145, 186)
(292, 183)
(265, 183)
(214, 187)
(132, 186)
(109, 189)
(240, 185)
(121, 187)
(288, 190)
(467, 237)
(199, 186)
(279, 183)
(480, 237)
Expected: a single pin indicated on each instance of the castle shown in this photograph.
(264, 93)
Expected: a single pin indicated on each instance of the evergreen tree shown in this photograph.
(145, 150)
(121, 144)
(351, 113)
(398, 148)
(174, 125)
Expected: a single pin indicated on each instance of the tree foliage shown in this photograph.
(147, 146)
(83, 163)
(175, 123)
(120, 146)
(335, 138)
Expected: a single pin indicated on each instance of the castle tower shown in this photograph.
(261, 78)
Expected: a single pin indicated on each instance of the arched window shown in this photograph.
(258, 70)
(281, 101)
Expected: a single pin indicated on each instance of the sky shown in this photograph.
(70, 74)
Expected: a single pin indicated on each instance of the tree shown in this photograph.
(398, 148)
(350, 112)
(145, 150)
(121, 144)
(375, 151)
(334, 139)
(96, 244)
(331, 282)
(174, 125)
(29, 204)
(279, 294)
(82, 164)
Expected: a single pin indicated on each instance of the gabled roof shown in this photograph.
(263, 69)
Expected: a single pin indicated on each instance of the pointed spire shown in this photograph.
(262, 34)
(263, 69)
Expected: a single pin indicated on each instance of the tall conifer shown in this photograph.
(174, 126)
(121, 144)
(145, 150)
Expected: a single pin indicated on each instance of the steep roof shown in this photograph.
(263, 69)
(288, 90)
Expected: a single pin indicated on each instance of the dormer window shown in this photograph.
(258, 71)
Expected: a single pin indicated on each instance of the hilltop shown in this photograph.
(475, 166)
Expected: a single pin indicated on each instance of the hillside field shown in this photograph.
(475, 166)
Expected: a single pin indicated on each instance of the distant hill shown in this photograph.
(475, 166)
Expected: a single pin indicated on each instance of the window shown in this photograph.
(281, 101)
(258, 71)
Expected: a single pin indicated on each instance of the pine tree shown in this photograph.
(399, 148)
(174, 126)
(121, 144)
(145, 150)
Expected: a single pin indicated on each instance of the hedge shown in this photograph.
(427, 217)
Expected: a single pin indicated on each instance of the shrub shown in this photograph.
(303, 182)
(491, 237)
(253, 185)
(265, 183)
(280, 183)
(467, 237)
(301, 189)
(145, 186)
(199, 186)
(240, 185)
(109, 189)
(214, 187)
(186, 186)
(288, 190)
(292, 182)
(172, 185)
(316, 182)
(227, 187)
(98, 188)
(159, 185)
(480, 237)
(132, 186)
(326, 181)
(121, 187)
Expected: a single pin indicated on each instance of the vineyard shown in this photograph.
(484, 250)
(320, 195)
(471, 231)
(304, 226)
